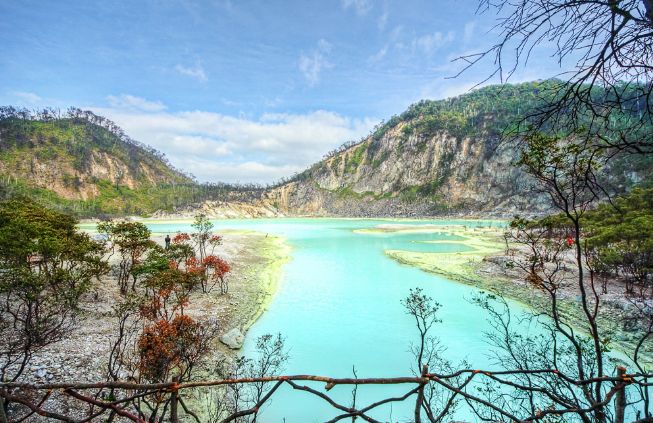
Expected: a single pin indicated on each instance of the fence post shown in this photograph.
(174, 402)
(620, 398)
(420, 395)
(3, 416)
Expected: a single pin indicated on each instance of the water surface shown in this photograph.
(338, 306)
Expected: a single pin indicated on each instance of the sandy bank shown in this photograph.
(485, 267)
(257, 263)
(460, 266)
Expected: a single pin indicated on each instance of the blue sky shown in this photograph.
(243, 91)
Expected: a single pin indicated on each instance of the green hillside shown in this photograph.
(84, 164)
(491, 113)
(439, 156)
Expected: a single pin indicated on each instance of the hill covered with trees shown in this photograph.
(85, 164)
(456, 155)
(452, 156)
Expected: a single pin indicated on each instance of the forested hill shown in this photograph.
(85, 164)
(438, 157)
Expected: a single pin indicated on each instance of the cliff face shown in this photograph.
(81, 166)
(398, 175)
(438, 157)
(65, 180)
(75, 160)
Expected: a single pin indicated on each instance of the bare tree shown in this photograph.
(608, 46)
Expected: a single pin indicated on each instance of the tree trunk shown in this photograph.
(620, 399)
(3, 415)
(420, 396)
(174, 403)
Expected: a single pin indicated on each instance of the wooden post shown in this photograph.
(620, 399)
(3, 416)
(174, 402)
(420, 396)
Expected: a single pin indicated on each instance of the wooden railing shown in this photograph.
(121, 398)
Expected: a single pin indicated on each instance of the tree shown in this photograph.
(47, 265)
(242, 403)
(436, 401)
(608, 47)
(157, 342)
(215, 269)
(621, 236)
(132, 240)
(566, 172)
(211, 268)
(202, 234)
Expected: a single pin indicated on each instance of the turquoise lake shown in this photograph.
(338, 307)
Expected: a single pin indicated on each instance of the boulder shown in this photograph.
(233, 339)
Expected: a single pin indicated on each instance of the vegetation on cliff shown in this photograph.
(460, 154)
(438, 156)
(85, 164)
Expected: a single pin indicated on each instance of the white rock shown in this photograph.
(233, 339)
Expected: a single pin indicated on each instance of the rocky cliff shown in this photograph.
(446, 157)
(76, 162)
(411, 176)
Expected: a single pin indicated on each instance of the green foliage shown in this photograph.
(335, 163)
(621, 234)
(126, 235)
(425, 192)
(561, 166)
(203, 227)
(46, 267)
(132, 242)
(157, 260)
(74, 144)
(617, 236)
(115, 200)
(497, 110)
(409, 194)
(377, 162)
(373, 155)
(488, 111)
(347, 192)
(40, 244)
(354, 159)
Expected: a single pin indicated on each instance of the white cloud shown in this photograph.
(396, 32)
(217, 147)
(247, 172)
(311, 65)
(383, 20)
(126, 101)
(28, 97)
(379, 55)
(362, 7)
(196, 71)
(468, 32)
(430, 43)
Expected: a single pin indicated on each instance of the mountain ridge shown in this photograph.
(452, 156)
(439, 157)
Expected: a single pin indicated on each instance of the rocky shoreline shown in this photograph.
(256, 259)
(485, 268)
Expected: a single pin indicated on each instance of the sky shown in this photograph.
(244, 91)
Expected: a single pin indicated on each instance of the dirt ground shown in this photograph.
(256, 263)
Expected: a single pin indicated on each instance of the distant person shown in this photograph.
(167, 241)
